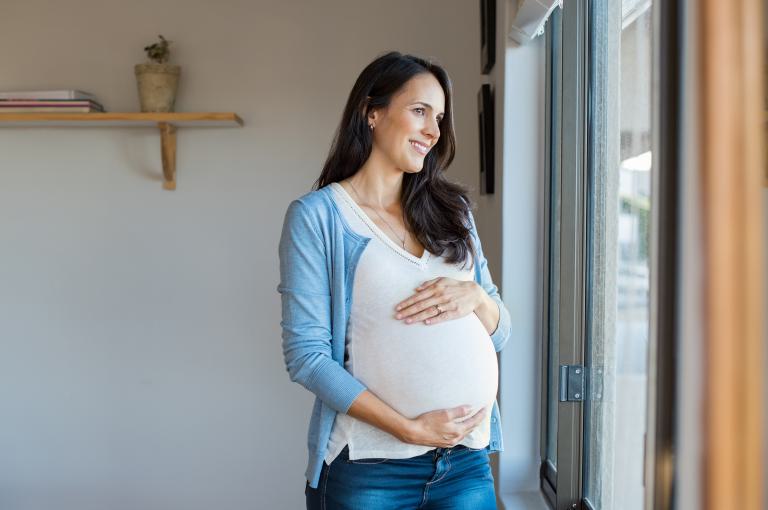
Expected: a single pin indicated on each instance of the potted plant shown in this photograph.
(157, 81)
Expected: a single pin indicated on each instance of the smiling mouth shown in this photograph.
(420, 148)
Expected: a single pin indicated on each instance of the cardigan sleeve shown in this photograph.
(305, 291)
(503, 330)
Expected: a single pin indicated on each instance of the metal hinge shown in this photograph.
(572, 383)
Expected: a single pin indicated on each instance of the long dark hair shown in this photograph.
(436, 209)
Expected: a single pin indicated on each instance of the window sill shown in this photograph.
(527, 500)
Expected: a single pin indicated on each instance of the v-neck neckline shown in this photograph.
(377, 231)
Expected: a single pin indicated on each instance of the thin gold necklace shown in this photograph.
(402, 239)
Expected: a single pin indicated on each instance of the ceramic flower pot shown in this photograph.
(157, 85)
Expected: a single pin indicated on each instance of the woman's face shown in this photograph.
(408, 128)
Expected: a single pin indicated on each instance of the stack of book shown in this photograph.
(49, 101)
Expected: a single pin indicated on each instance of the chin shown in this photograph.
(415, 168)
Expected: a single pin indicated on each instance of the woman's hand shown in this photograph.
(454, 298)
(444, 428)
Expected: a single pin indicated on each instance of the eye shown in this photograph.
(419, 110)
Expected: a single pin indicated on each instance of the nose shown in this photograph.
(432, 128)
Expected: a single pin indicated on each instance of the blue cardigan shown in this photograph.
(318, 255)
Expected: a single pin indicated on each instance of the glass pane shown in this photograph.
(618, 301)
(553, 32)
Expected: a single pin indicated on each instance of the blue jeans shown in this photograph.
(457, 478)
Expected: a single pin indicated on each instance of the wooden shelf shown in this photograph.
(165, 122)
(119, 119)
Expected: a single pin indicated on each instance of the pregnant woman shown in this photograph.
(389, 313)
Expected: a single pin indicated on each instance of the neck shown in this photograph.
(378, 188)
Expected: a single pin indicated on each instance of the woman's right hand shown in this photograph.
(444, 428)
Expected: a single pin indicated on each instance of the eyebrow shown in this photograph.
(428, 106)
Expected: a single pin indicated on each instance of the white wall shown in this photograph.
(523, 267)
(519, 82)
(140, 361)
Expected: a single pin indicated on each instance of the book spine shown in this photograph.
(48, 94)
(49, 109)
(59, 102)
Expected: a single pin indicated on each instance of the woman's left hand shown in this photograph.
(454, 297)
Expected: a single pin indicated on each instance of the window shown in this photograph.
(599, 61)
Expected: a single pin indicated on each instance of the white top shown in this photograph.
(415, 367)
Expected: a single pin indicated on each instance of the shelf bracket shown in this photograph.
(168, 153)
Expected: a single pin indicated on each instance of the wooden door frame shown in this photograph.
(731, 155)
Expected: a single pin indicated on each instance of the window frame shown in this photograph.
(568, 110)
(567, 133)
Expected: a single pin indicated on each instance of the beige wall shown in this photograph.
(141, 363)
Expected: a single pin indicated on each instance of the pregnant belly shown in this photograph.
(417, 368)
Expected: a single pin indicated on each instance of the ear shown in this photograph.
(372, 114)
(366, 109)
